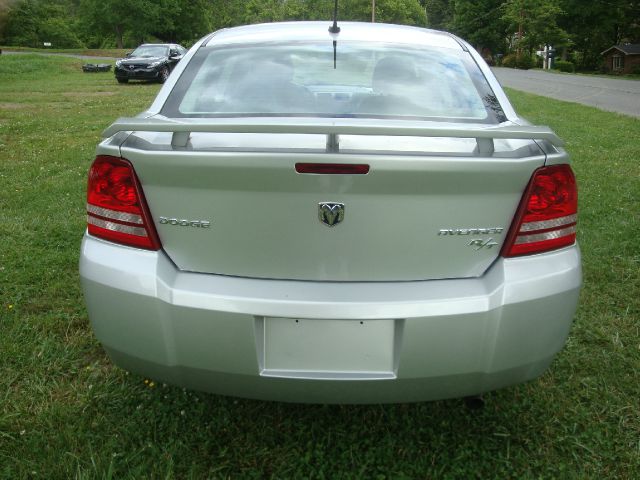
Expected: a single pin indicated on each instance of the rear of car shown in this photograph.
(359, 222)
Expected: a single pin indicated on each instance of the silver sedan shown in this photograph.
(352, 217)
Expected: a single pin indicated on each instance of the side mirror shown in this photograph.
(175, 56)
(128, 54)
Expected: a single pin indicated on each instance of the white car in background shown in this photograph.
(362, 221)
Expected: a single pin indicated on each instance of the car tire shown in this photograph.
(163, 75)
(122, 80)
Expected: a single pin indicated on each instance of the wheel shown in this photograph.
(122, 80)
(163, 75)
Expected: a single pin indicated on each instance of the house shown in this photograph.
(622, 58)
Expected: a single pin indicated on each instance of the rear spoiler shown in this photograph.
(332, 127)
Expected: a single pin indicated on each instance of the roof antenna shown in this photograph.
(334, 30)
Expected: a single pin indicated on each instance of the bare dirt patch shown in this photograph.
(12, 106)
(88, 94)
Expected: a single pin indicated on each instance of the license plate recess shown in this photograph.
(327, 349)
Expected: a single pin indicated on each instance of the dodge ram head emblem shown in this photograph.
(331, 213)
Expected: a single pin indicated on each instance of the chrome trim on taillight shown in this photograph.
(541, 237)
(114, 214)
(116, 227)
(546, 224)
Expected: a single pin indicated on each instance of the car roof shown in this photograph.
(349, 31)
(159, 45)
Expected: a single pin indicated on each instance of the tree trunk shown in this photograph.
(119, 43)
(520, 33)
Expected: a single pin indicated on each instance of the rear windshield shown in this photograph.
(369, 80)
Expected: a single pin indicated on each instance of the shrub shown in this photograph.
(525, 62)
(564, 66)
(509, 61)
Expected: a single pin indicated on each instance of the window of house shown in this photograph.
(618, 62)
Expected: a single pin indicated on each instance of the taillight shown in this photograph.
(547, 215)
(116, 208)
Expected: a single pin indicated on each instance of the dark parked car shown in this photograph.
(149, 62)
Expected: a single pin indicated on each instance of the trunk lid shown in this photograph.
(413, 216)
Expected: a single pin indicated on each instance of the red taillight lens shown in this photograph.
(546, 218)
(116, 208)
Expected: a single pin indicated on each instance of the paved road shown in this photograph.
(612, 94)
(83, 57)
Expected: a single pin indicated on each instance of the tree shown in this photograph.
(226, 13)
(116, 17)
(439, 13)
(535, 21)
(405, 12)
(60, 32)
(32, 22)
(5, 7)
(22, 24)
(480, 23)
(595, 26)
(182, 21)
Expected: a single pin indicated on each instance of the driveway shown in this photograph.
(612, 94)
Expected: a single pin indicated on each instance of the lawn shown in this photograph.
(90, 52)
(66, 411)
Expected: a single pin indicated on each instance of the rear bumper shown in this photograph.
(398, 341)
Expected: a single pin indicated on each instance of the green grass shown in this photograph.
(66, 411)
(92, 52)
